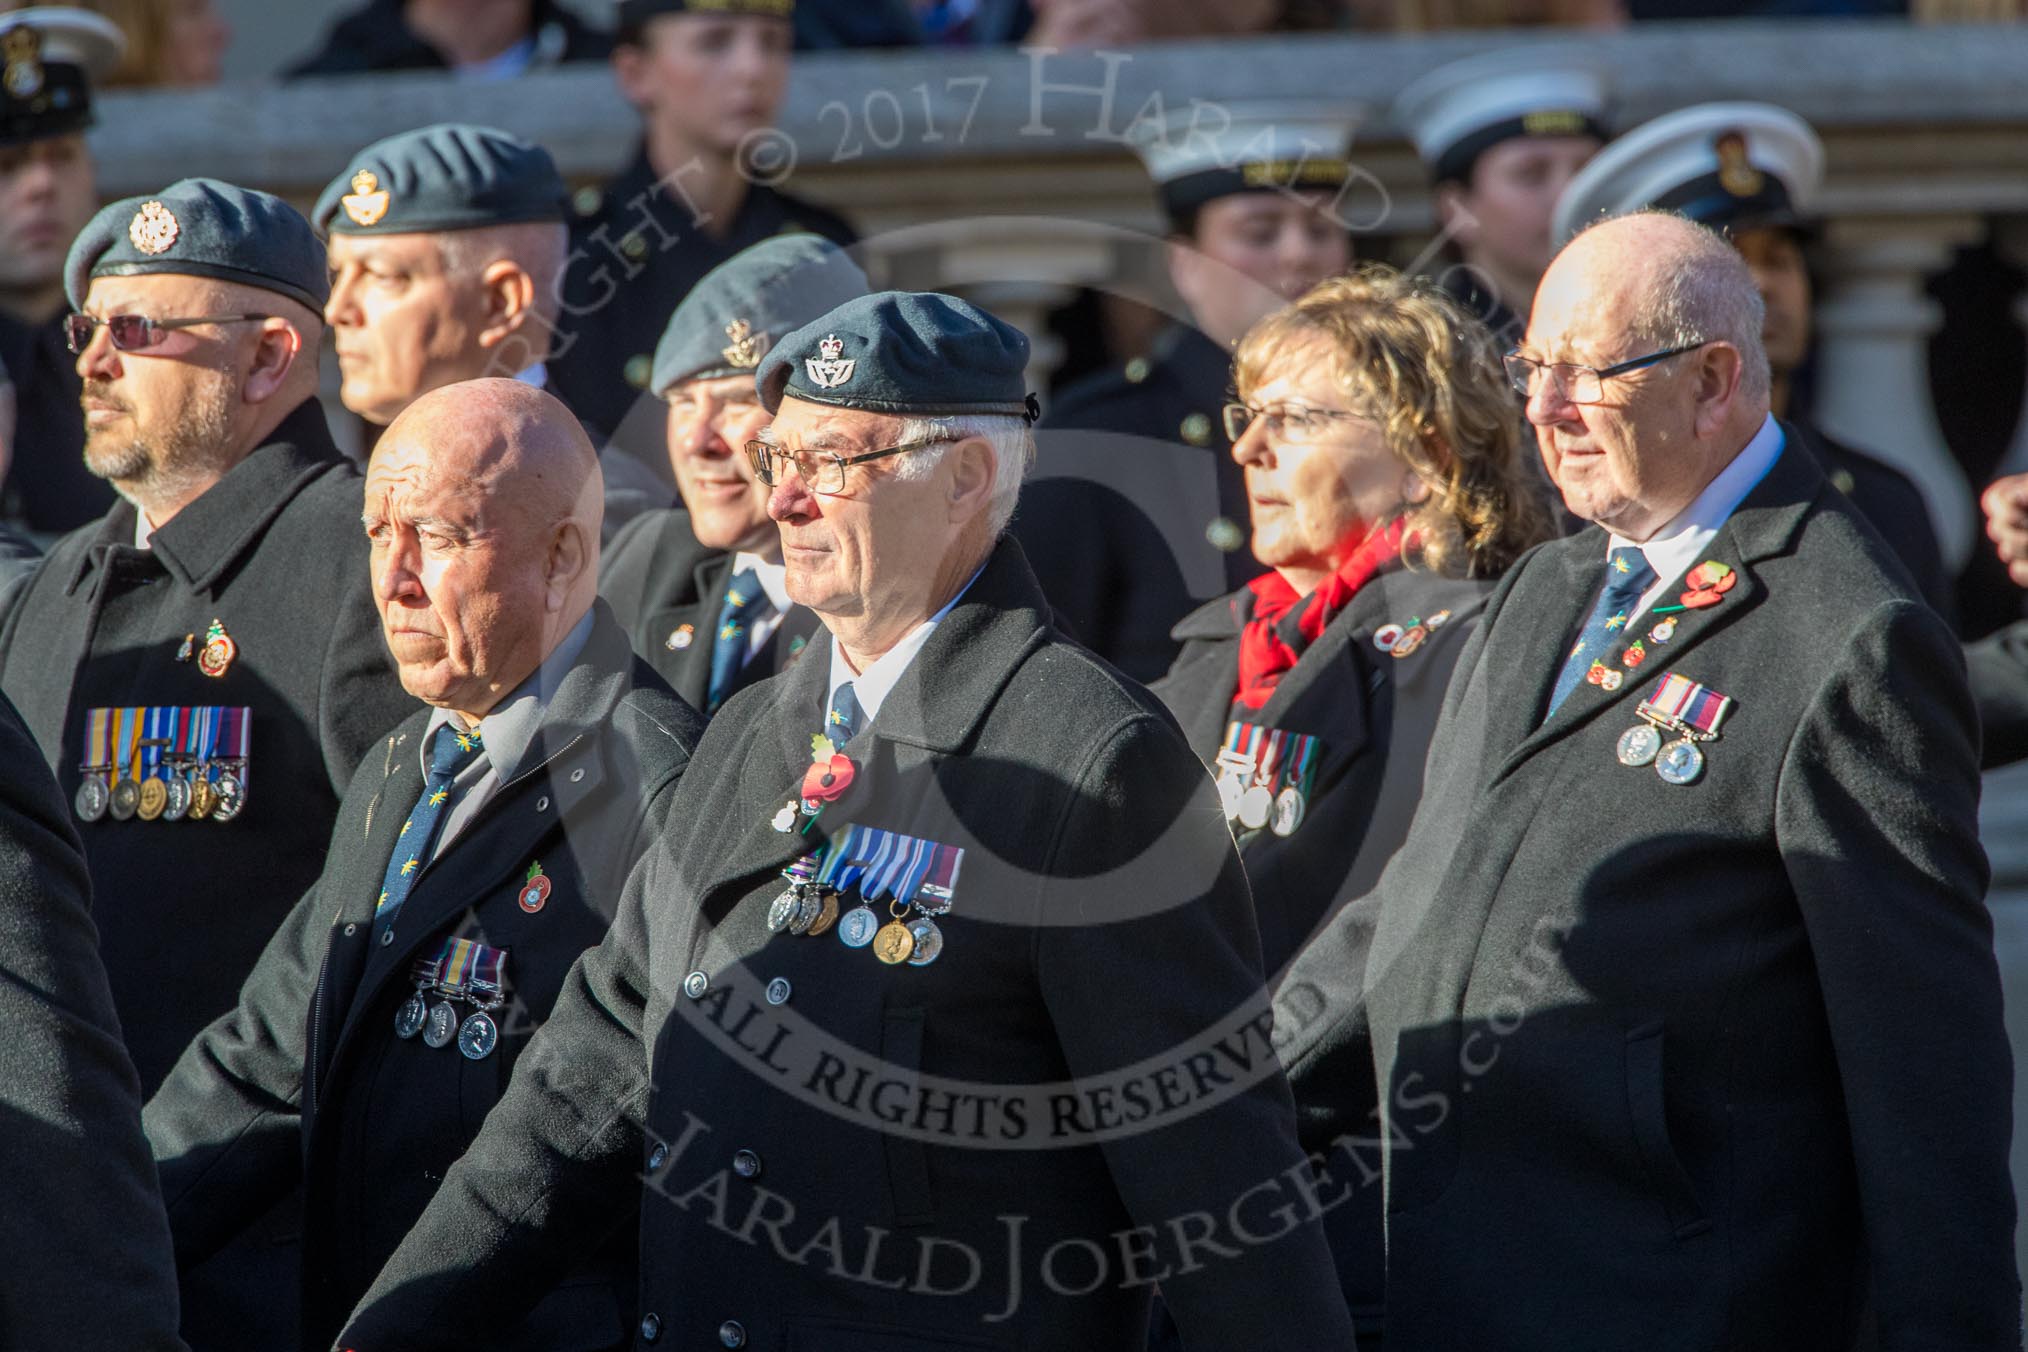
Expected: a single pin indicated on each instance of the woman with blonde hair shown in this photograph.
(1389, 490)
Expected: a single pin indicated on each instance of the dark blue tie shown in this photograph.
(844, 720)
(1627, 576)
(451, 752)
(746, 604)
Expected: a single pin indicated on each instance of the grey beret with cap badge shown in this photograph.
(202, 227)
(906, 353)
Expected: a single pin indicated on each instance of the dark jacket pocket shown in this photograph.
(831, 1335)
(1648, 1109)
(908, 1179)
(579, 1316)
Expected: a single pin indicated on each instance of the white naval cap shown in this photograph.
(1212, 150)
(1457, 112)
(49, 57)
(1727, 165)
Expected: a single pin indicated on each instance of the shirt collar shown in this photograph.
(872, 685)
(1678, 546)
(774, 577)
(509, 730)
(536, 375)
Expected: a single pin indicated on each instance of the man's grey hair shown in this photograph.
(1013, 443)
(1705, 294)
(540, 248)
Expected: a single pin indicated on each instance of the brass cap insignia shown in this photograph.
(747, 347)
(1736, 173)
(366, 203)
(153, 229)
(22, 49)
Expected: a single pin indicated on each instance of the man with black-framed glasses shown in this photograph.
(1697, 850)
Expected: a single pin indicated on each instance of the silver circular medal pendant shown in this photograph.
(1639, 745)
(1255, 808)
(442, 1026)
(929, 942)
(231, 798)
(1231, 789)
(858, 927)
(1680, 762)
(1289, 810)
(785, 909)
(178, 805)
(92, 799)
(478, 1037)
(125, 800)
(410, 1018)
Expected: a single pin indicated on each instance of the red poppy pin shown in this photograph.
(830, 772)
(1708, 582)
(535, 890)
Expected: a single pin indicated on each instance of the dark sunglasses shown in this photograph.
(138, 333)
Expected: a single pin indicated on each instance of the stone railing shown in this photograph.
(1006, 172)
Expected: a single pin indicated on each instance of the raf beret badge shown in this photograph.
(747, 347)
(827, 370)
(22, 48)
(367, 202)
(153, 228)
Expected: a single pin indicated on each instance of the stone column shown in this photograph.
(1873, 323)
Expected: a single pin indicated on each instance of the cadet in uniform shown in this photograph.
(915, 1062)
(702, 589)
(202, 667)
(1501, 134)
(47, 193)
(478, 852)
(1137, 512)
(448, 247)
(88, 1260)
(707, 78)
(1750, 171)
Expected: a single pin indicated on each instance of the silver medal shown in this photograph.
(125, 800)
(178, 805)
(231, 798)
(809, 905)
(1680, 762)
(1231, 788)
(478, 1037)
(1639, 745)
(93, 797)
(1289, 810)
(410, 1018)
(442, 1026)
(857, 928)
(929, 942)
(785, 909)
(1255, 808)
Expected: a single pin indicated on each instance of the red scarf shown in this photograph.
(1282, 624)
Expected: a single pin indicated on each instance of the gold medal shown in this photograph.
(894, 943)
(202, 798)
(827, 916)
(154, 797)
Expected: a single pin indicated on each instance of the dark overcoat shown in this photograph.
(1704, 1065)
(88, 1261)
(48, 489)
(276, 554)
(847, 1155)
(667, 591)
(1372, 714)
(1136, 512)
(306, 1079)
(274, 551)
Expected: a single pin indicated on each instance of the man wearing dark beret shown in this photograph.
(203, 666)
(702, 589)
(48, 58)
(447, 248)
(863, 1041)
(708, 79)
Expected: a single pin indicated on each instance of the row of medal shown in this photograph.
(1264, 777)
(1681, 708)
(917, 878)
(164, 762)
(461, 971)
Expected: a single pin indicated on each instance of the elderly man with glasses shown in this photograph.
(939, 1022)
(1687, 937)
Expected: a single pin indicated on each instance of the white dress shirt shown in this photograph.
(871, 686)
(774, 580)
(1680, 546)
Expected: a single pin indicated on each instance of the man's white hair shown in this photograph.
(1013, 443)
(540, 248)
(1705, 294)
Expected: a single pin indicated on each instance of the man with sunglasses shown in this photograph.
(1696, 860)
(1061, 919)
(48, 190)
(203, 666)
(702, 589)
